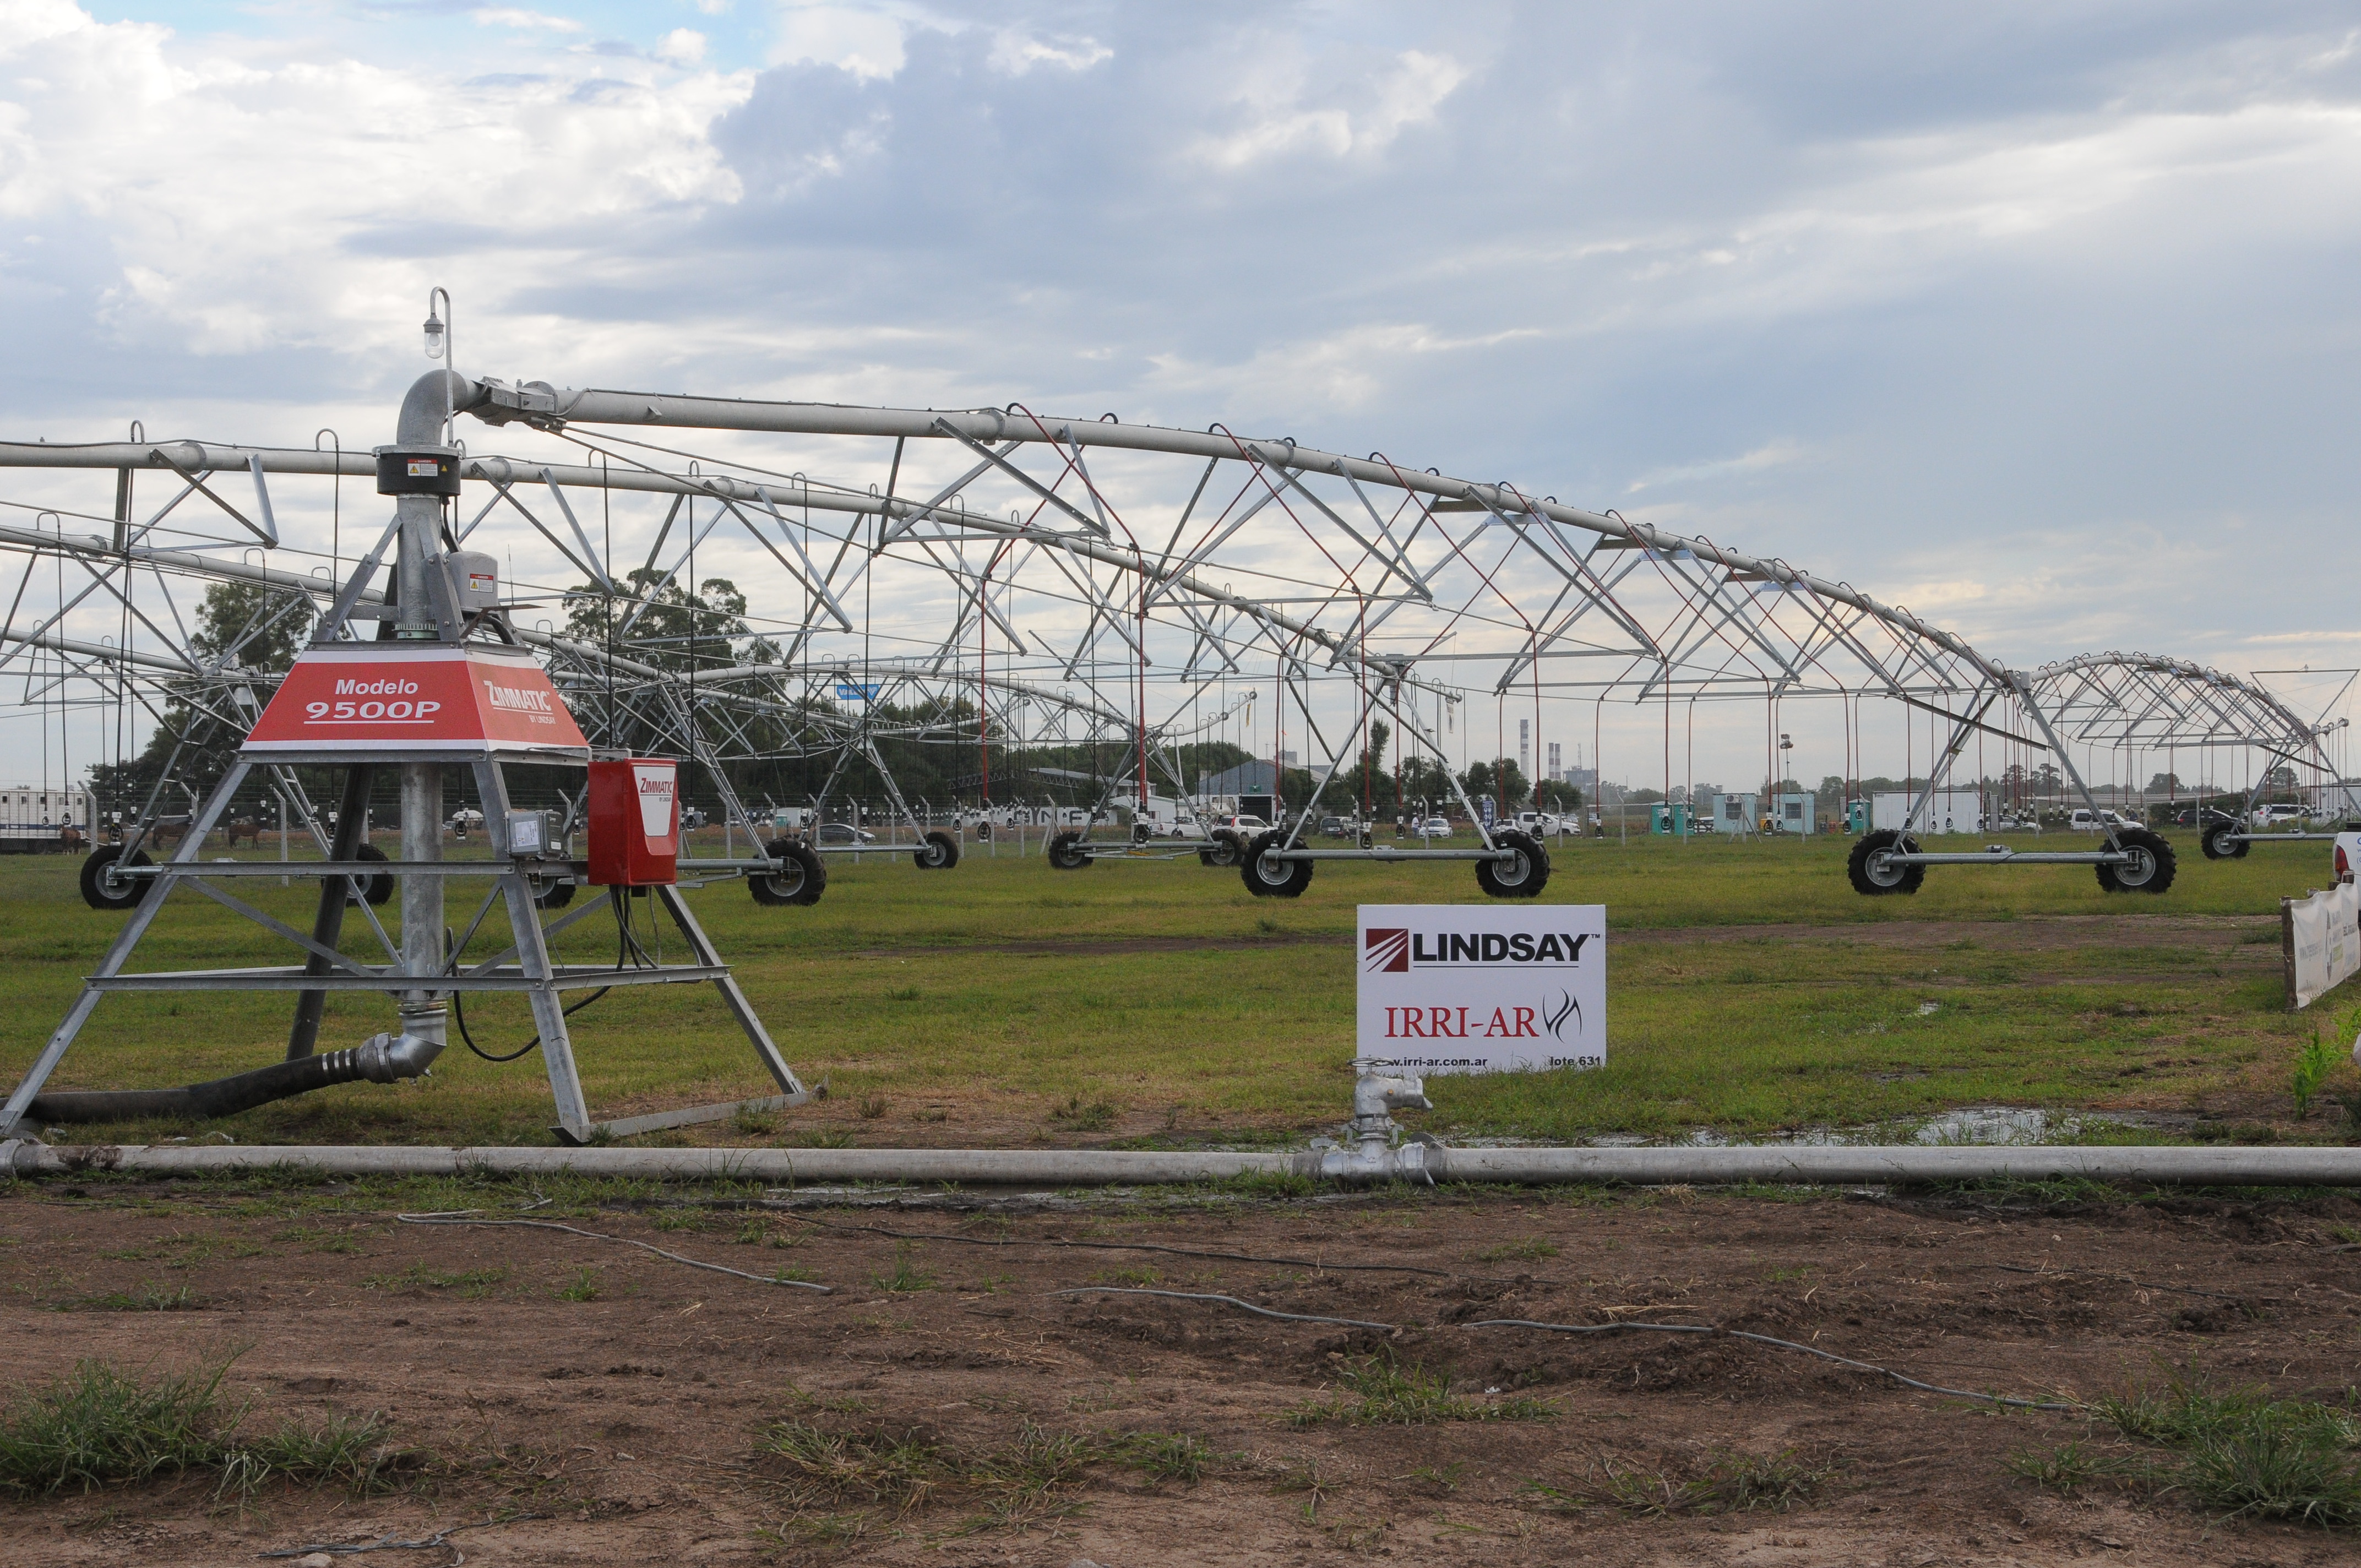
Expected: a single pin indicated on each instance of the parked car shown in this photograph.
(845, 833)
(1334, 827)
(1539, 824)
(2277, 812)
(1435, 827)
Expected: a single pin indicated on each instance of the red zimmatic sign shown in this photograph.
(379, 697)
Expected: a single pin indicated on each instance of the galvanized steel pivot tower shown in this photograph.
(443, 682)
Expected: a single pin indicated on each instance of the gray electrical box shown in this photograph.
(476, 577)
(536, 835)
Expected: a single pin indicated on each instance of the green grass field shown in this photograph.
(1749, 990)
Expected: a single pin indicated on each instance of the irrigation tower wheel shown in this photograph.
(378, 887)
(101, 889)
(1067, 854)
(1523, 877)
(2150, 868)
(938, 852)
(2221, 842)
(801, 878)
(1269, 878)
(1872, 876)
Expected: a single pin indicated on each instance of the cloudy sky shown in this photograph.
(2040, 319)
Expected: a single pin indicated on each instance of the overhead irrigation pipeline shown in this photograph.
(186, 563)
(188, 457)
(1926, 661)
(541, 408)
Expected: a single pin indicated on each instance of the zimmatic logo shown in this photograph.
(1398, 950)
(533, 705)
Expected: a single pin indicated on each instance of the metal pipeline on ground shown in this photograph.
(1051, 1169)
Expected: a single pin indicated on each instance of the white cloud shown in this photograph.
(1015, 54)
(1771, 455)
(2023, 340)
(859, 41)
(124, 131)
(24, 22)
(1374, 109)
(512, 17)
(682, 46)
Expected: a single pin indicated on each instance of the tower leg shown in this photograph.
(352, 820)
(533, 958)
(739, 1008)
(192, 844)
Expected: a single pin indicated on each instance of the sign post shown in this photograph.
(1482, 988)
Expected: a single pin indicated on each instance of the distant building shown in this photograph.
(1219, 793)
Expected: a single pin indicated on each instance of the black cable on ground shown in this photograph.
(1781, 1343)
(1588, 1328)
(624, 942)
(462, 1217)
(1056, 1242)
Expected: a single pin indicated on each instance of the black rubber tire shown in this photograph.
(937, 851)
(2154, 875)
(555, 894)
(1273, 879)
(1897, 879)
(380, 887)
(1522, 878)
(1228, 848)
(2221, 842)
(101, 891)
(1066, 852)
(1206, 858)
(801, 879)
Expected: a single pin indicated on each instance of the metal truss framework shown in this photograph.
(1053, 581)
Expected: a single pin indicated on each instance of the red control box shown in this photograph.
(634, 822)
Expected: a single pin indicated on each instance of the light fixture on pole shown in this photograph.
(435, 336)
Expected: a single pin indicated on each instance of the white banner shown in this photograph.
(1483, 987)
(2324, 941)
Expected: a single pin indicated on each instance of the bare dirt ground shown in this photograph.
(627, 1406)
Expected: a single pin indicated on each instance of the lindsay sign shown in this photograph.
(1483, 988)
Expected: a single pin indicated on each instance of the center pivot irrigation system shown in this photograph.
(1099, 594)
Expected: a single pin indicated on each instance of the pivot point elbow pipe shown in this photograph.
(1375, 1152)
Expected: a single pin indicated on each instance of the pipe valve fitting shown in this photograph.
(1375, 1152)
(390, 1058)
